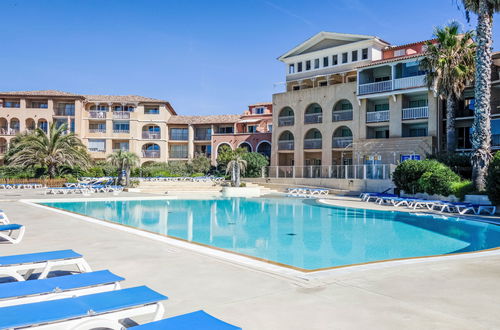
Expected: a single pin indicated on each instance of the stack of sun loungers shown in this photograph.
(84, 189)
(83, 300)
(307, 192)
(213, 179)
(10, 232)
(7, 186)
(417, 203)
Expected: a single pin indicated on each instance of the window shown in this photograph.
(99, 108)
(11, 104)
(323, 83)
(325, 61)
(39, 105)
(269, 127)
(344, 58)
(179, 134)
(299, 67)
(202, 133)
(99, 127)
(296, 88)
(97, 145)
(354, 56)
(151, 110)
(385, 78)
(316, 63)
(335, 59)
(226, 130)
(364, 53)
(417, 131)
(128, 108)
(382, 107)
(291, 68)
(382, 134)
(417, 103)
(124, 146)
(251, 128)
(258, 111)
(121, 127)
(400, 52)
(308, 65)
(463, 138)
(178, 151)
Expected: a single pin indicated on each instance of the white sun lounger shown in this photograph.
(7, 232)
(3, 218)
(100, 310)
(46, 261)
(18, 293)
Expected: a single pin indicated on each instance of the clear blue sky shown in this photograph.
(205, 57)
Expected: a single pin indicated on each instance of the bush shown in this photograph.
(462, 188)
(427, 176)
(493, 180)
(199, 164)
(459, 163)
(255, 162)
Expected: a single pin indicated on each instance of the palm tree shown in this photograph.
(237, 165)
(124, 161)
(50, 150)
(481, 128)
(449, 62)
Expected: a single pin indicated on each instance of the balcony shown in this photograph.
(178, 136)
(375, 87)
(415, 113)
(342, 115)
(121, 131)
(202, 137)
(97, 114)
(121, 115)
(9, 131)
(286, 145)
(97, 150)
(65, 112)
(409, 82)
(312, 143)
(286, 121)
(377, 116)
(151, 135)
(97, 130)
(341, 142)
(121, 149)
(151, 153)
(178, 154)
(313, 118)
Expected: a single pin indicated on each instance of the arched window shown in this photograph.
(151, 150)
(342, 110)
(264, 148)
(313, 114)
(342, 137)
(286, 141)
(30, 124)
(151, 132)
(15, 126)
(43, 125)
(246, 146)
(286, 117)
(313, 139)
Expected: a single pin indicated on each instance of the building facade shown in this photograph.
(148, 127)
(354, 107)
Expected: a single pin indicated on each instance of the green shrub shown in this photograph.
(459, 163)
(462, 188)
(493, 180)
(438, 179)
(195, 175)
(255, 163)
(407, 174)
(199, 164)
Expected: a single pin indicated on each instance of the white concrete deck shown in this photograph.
(447, 293)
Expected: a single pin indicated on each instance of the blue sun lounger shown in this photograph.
(17, 293)
(99, 310)
(198, 320)
(46, 261)
(7, 231)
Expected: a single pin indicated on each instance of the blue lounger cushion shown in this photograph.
(198, 320)
(54, 284)
(75, 307)
(38, 257)
(11, 226)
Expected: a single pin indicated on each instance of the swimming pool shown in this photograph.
(294, 232)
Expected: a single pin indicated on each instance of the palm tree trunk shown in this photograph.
(127, 176)
(51, 168)
(481, 129)
(237, 170)
(451, 136)
(233, 174)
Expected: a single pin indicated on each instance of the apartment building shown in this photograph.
(355, 106)
(148, 127)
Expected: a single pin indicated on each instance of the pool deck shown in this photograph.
(444, 293)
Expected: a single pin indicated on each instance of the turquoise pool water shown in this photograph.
(296, 232)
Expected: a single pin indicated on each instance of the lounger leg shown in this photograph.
(11, 239)
(13, 274)
(83, 266)
(98, 323)
(160, 310)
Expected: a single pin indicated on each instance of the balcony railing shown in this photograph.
(286, 121)
(151, 153)
(178, 137)
(121, 115)
(409, 82)
(97, 114)
(151, 135)
(341, 142)
(178, 154)
(416, 113)
(97, 150)
(121, 131)
(9, 131)
(120, 149)
(65, 112)
(373, 172)
(3, 149)
(377, 116)
(286, 145)
(313, 118)
(376, 87)
(312, 143)
(342, 115)
(97, 130)
(203, 137)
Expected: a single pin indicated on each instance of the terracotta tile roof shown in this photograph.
(48, 92)
(122, 98)
(408, 45)
(392, 59)
(260, 104)
(212, 119)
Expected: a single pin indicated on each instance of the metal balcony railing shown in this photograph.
(151, 135)
(97, 149)
(313, 118)
(286, 121)
(97, 130)
(203, 137)
(409, 82)
(416, 113)
(377, 116)
(375, 87)
(151, 153)
(362, 172)
(97, 114)
(312, 143)
(121, 131)
(178, 154)
(121, 115)
(342, 115)
(286, 145)
(341, 142)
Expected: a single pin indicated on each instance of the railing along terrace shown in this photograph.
(92, 149)
(361, 172)
(286, 121)
(416, 113)
(97, 114)
(151, 153)
(285, 145)
(342, 115)
(97, 130)
(313, 118)
(377, 116)
(341, 142)
(176, 154)
(203, 137)
(409, 82)
(312, 143)
(121, 115)
(121, 131)
(151, 135)
(375, 87)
